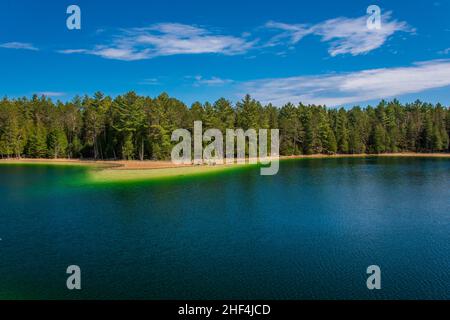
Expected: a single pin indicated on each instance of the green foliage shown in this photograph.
(248, 113)
(12, 138)
(57, 144)
(135, 127)
(292, 131)
(160, 143)
(37, 144)
(326, 134)
(128, 148)
(342, 132)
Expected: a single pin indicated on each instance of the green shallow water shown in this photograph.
(307, 233)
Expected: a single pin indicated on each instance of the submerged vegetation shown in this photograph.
(136, 127)
(111, 176)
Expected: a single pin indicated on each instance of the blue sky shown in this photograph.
(278, 51)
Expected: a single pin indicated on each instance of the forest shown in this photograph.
(130, 126)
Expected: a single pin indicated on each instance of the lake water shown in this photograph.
(309, 232)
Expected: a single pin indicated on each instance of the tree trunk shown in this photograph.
(95, 147)
(141, 152)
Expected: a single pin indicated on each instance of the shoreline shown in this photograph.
(115, 171)
(165, 164)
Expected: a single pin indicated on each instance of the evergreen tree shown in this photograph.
(132, 126)
(161, 143)
(248, 113)
(342, 132)
(37, 144)
(292, 133)
(132, 122)
(379, 139)
(326, 134)
(57, 144)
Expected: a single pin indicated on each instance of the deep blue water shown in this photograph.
(309, 232)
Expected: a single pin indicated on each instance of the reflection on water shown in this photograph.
(308, 232)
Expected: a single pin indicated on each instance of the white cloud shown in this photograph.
(293, 32)
(120, 53)
(165, 39)
(70, 51)
(18, 45)
(346, 88)
(150, 82)
(345, 35)
(213, 81)
(352, 35)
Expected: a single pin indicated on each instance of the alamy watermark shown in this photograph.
(74, 280)
(73, 21)
(374, 20)
(374, 280)
(236, 141)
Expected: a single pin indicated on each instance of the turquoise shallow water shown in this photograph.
(307, 233)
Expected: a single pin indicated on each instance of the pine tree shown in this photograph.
(132, 122)
(93, 123)
(225, 115)
(427, 134)
(379, 139)
(248, 111)
(160, 143)
(292, 132)
(57, 143)
(132, 126)
(342, 132)
(37, 144)
(128, 148)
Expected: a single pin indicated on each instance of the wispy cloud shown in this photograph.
(51, 94)
(344, 35)
(165, 39)
(346, 88)
(213, 81)
(18, 45)
(150, 82)
(70, 51)
(445, 51)
(292, 33)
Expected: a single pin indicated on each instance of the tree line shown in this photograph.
(138, 127)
